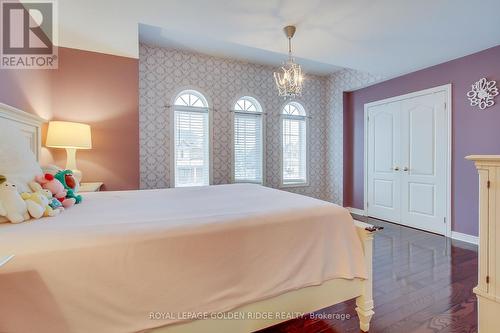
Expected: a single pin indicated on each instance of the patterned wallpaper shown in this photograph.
(337, 83)
(165, 72)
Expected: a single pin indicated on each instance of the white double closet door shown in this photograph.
(407, 160)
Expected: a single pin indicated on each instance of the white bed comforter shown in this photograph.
(105, 265)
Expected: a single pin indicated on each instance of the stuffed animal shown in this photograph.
(55, 204)
(12, 205)
(44, 198)
(55, 187)
(52, 169)
(70, 183)
(35, 206)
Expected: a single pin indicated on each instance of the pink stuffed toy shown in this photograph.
(57, 189)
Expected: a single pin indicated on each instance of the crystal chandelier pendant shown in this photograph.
(289, 79)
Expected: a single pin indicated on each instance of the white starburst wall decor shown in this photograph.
(483, 93)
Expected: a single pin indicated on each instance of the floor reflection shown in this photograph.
(422, 283)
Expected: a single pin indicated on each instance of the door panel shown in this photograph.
(383, 137)
(411, 135)
(423, 156)
(383, 193)
(422, 140)
(422, 198)
(383, 181)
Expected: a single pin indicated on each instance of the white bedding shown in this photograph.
(104, 265)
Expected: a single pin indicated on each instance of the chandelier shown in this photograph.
(289, 79)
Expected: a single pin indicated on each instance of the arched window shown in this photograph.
(294, 109)
(191, 140)
(294, 145)
(248, 145)
(191, 98)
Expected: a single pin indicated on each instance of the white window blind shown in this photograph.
(248, 142)
(294, 141)
(248, 147)
(191, 135)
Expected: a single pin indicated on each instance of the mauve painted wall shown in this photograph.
(474, 131)
(94, 88)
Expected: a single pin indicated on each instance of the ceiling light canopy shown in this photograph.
(289, 79)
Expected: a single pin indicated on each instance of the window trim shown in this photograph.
(172, 109)
(305, 117)
(263, 132)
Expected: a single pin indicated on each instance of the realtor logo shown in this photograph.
(29, 34)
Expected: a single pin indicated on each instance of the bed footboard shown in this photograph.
(364, 302)
(304, 300)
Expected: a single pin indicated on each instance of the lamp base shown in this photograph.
(71, 163)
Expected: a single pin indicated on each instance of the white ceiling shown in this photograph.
(198, 43)
(387, 37)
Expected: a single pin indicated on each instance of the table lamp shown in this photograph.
(71, 136)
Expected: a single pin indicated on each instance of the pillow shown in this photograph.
(51, 168)
(17, 161)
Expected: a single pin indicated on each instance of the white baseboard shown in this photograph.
(356, 211)
(465, 238)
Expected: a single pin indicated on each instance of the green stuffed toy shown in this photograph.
(70, 184)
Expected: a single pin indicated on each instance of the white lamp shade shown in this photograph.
(63, 134)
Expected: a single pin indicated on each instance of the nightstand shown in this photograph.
(90, 187)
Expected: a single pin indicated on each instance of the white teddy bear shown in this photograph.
(12, 204)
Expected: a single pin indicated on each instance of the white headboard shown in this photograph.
(29, 124)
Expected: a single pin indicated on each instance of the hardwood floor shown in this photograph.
(422, 283)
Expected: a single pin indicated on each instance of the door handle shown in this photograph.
(396, 168)
(405, 169)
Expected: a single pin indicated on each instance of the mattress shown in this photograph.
(107, 264)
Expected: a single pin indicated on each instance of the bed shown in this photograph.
(226, 258)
